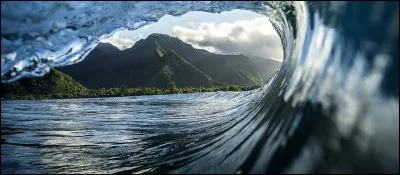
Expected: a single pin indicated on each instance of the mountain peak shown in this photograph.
(101, 44)
(146, 63)
(163, 42)
(158, 34)
(107, 47)
(162, 37)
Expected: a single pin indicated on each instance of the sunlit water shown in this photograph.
(108, 135)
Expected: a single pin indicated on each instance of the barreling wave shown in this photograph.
(332, 107)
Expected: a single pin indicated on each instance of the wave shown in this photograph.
(332, 107)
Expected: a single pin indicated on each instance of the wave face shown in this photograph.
(332, 107)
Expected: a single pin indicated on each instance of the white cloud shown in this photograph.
(249, 37)
(119, 42)
(192, 24)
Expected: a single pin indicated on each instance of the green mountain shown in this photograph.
(161, 60)
(177, 71)
(55, 82)
(266, 67)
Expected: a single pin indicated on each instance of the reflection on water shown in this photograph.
(109, 135)
(338, 85)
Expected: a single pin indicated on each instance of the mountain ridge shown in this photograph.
(136, 66)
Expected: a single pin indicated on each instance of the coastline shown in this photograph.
(123, 92)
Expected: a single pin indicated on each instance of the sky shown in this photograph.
(231, 32)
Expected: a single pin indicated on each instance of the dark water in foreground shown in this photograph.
(108, 135)
(332, 107)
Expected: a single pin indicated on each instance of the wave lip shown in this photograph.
(37, 36)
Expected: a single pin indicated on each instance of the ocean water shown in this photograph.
(107, 135)
(332, 107)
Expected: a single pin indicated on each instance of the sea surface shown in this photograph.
(108, 135)
(333, 107)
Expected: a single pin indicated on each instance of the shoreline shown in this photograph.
(124, 92)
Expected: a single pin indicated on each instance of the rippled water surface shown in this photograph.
(332, 107)
(108, 135)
